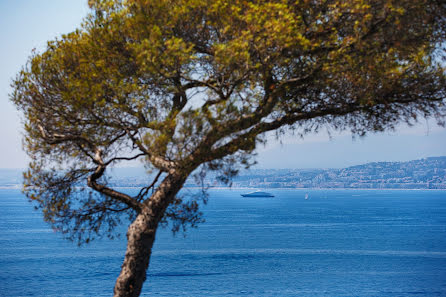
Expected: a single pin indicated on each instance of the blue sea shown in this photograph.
(335, 243)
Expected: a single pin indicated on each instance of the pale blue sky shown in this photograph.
(28, 24)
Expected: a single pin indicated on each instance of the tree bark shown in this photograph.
(141, 236)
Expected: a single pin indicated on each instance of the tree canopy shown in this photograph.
(188, 85)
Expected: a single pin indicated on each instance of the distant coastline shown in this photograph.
(424, 174)
(19, 187)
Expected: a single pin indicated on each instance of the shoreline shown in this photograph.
(19, 187)
(303, 189)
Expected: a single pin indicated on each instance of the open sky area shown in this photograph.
(28, 24)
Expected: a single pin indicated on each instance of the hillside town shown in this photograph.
(428, 173)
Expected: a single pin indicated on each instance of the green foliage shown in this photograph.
(187, 83)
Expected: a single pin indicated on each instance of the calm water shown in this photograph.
(336, 243)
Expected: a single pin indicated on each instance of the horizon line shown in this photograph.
(268, 168)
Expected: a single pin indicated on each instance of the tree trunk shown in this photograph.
(140, 239)
(141, 236)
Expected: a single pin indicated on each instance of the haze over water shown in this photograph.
(336, 243)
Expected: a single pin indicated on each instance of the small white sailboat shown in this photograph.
(306, 196)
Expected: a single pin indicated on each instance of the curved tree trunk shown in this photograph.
(141, 236)
(139, 248)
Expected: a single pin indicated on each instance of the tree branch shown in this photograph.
(143, 191)
(110, 192)
(245, 140)
(98, 173)
(124, 158)
(157, 161)
(57, 138)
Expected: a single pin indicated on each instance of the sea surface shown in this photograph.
(335, 243)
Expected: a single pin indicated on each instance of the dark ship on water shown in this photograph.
(258, 194)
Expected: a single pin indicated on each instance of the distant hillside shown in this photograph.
(428, 173)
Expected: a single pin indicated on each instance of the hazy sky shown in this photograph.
(28, 24)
